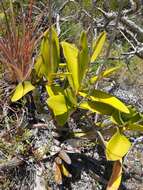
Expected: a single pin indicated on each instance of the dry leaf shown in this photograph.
(58, 160)
(116, 176)
(57, 173)
(65, 157)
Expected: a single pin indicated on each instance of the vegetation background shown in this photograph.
(29, 141)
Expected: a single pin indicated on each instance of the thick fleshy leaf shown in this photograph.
(58, 104)
(133, 117)
(50, 52)
(63, 118)
(71, 97)
(98, 45)
(134, 127)
(83, 56)
(53, 90)
(109, 99)
(71, 54)
(68, 93)
(116, 118)
(62, 102)
(97, 107)
(105, 73)
(39, 67)
(77, 61)
(65, 171)
(115, 179)
(18, 93)
(22, 89)
(121, 118)
(117, 147)
(27, 87)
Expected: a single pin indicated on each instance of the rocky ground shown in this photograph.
(89, 168)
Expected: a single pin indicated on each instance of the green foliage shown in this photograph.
(102, 97)
(63, 101)
(22, 89)
(64, 76)
(117, 147)
(77, 61)
(50, 53)
(97, 46)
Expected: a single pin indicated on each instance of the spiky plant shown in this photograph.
(17, 43)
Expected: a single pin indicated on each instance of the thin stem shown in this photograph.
(99, 135)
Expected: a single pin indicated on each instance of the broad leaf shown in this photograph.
(62, 119)
(97, 107)
(50, 52)
(134, 127)
(65, 171)
(105, 73)
(117, 147)
(58, 104)
(71, 55)
(133, 117)
(54, 90)
(39, 67)
(83, 57)
(71, 97)
(116, 118)
(115, 179)
(109, 99)
(98, 45)
(22, 89)
(77, 61)
(121, 118)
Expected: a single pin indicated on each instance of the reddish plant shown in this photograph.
(17, 43)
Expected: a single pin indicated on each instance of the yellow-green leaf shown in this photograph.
(71, 54)
(39, 67)
(58, 104)
(117, 147)
(83, 56)
(109, 71)
(65, 171)
(116, 118)
(18, 93)
(97, 107)
(27, 87)
(61, 102)
(62, 119)
(134, 127)
(54, 90)
(109, 99)
(50, 52)
(71, 97)
(62, 65)
(98, 45)
(105, 73)
(22, 89)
